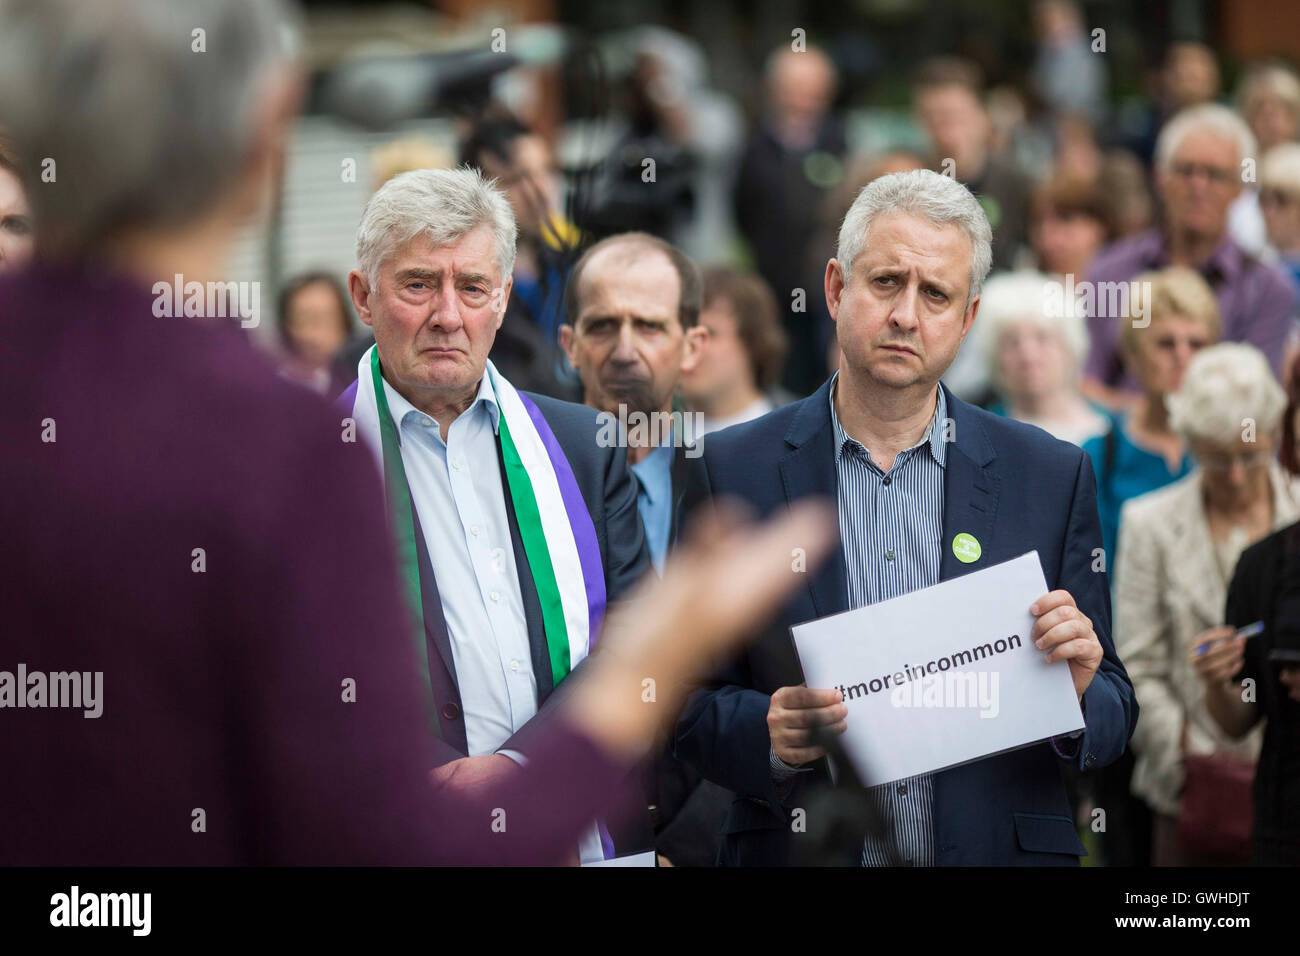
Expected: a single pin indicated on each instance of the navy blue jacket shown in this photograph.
(1015, 489)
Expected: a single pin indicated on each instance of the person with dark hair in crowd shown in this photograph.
(1249, 679)
(791, 162)
(191, 526)
(520, 161)
(740, 361)
(16, 238)
(947, 97)
(1068, 223)
(1198, 173)
(315, 318)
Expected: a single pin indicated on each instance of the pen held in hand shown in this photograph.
(1249, 630)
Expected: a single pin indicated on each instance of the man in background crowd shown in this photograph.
(1198, 173)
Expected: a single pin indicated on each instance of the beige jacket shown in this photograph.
(1168, 589)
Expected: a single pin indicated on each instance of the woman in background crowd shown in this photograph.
(1265, 588)
(743, 356)
(1141, 451)
(1035, 356)
(16, 240)
(315, 322)
(1178, 548)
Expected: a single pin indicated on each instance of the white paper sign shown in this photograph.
(632, 859)
(942, 676)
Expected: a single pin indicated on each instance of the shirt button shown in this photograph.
(514, 665)
(902, 790)
(886, 480)
(426, 421)
(455, 463)
(889, 555)
(496, 595)
(474, 530)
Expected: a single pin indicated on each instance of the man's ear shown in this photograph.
(834, 288)
(499, 306)
(566, 342)
(359, 290)
(694, 342)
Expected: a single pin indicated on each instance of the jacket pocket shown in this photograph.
(1047, 833)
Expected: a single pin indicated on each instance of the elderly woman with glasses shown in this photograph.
(1178, 548)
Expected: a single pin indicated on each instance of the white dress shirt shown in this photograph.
(456, 487)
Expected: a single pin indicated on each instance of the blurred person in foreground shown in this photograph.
(1178, 549)
(315, 318)
(16, 237)
(1036, 354)
(1279, 203)
(1198, 174)
(1246, 680)
(912, 468)
(1141, 451)
(192, 529)
(740, 361)
(791, 162)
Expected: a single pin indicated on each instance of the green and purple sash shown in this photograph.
(555, 526)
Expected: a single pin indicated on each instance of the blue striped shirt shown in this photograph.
(891, 531)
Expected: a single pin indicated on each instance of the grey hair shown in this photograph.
(938, 199)
(1010, 298)
(1209, 116)
(143, 130)
(1224, 386)
(442, 204)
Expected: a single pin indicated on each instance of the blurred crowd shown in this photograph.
(1143, 305)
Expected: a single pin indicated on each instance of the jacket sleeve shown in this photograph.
(1110, 706)
(1144, 642)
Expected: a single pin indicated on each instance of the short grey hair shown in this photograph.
(1224, 386)
(938, 199)
(143, 129)
(1207, 116)
(442, 204)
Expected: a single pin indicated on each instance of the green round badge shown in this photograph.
(966, 548)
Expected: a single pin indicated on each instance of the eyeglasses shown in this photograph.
(1249, 460)
(1215, 174)
(1276, 197)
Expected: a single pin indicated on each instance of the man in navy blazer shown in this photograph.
(912, 468)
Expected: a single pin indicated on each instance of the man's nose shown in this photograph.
(625, 345)
(446, 313)
(903, 314)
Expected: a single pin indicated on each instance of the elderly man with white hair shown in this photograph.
(516, 523)
(1178, 548)
(1035, 349)
(928, 488)
(1200, 162)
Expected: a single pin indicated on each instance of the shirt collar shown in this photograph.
(652, 470)
(933, 436)
(402, 409)
(1224, 261)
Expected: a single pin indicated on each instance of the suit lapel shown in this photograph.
(809, 471)
(442, 679)
(970, 493)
